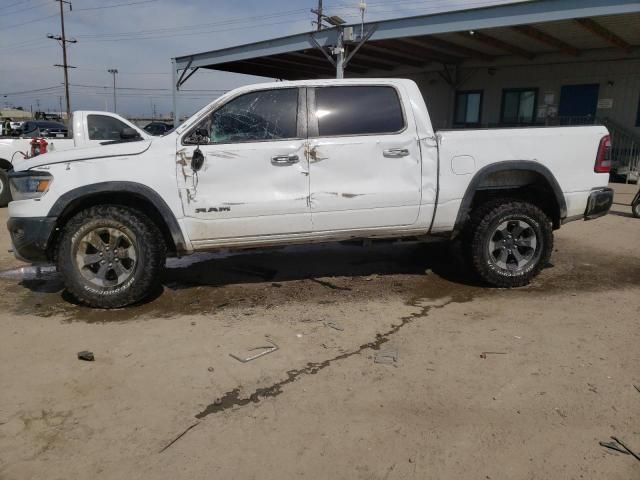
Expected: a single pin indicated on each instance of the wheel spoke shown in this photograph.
(91, 259)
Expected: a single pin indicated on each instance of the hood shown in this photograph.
(89, 153)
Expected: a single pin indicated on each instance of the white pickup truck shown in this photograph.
(297, 162)
(89, 129)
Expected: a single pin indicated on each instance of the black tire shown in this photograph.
(635, 209)
(495, 255)
(5, 192)
(123, 236)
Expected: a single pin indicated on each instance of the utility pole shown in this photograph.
(63, 41)
(114, 72)
(318, 12)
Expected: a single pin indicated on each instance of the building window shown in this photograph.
(519, 106)
(468, 108)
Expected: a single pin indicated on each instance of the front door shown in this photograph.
(578, 104)
(255, 178)
(364, 160)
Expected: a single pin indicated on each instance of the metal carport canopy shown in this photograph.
(481, 35)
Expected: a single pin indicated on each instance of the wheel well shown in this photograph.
(125, 199)
(527, 185)
(5, 165)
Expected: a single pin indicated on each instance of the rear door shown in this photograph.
(364, 158)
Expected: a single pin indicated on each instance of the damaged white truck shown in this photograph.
(298, 162)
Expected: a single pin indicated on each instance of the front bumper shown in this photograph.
(30, 237)
(599, 203)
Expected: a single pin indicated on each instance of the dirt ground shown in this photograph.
(561, 380)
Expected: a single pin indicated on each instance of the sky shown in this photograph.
(139, 37)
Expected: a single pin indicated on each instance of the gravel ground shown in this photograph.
(164, 399)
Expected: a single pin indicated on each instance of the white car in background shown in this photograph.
(90, 129)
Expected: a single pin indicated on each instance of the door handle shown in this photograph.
(281, 160)
(396, 152)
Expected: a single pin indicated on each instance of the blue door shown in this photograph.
(578, 103)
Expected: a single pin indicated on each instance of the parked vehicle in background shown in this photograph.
(298, 162)
(158, 128)
(43, 128)
(16, 127)
(89, 129)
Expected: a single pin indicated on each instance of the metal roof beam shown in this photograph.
(418, 48)
(547, 39)
(455, 48)
(281, 63)
(397, 56)
(312, 56)
(496, 43)
(520, 13)
(604, 33)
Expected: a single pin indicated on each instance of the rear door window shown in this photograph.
(103, 127)
(358, 110)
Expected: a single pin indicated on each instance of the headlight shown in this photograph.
(29, 184)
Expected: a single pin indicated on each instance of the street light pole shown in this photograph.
(114, 71)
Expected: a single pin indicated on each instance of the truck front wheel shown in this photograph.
(111, 256)
(509, 242)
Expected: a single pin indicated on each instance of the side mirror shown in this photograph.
(197, 159)
(129, 133)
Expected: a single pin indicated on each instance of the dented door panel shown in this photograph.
(241, 183)
(362, 180)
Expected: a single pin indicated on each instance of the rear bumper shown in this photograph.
(599, 203)
(30, 237)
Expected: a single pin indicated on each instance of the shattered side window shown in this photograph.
(256, 116)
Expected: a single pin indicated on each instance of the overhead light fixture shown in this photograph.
(335, 20)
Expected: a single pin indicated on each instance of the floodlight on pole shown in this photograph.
(114, 72)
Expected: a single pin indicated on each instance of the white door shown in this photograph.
(255, 178)
(364, 158)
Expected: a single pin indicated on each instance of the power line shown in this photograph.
(5, 13)
(21, 24)
(115, 6)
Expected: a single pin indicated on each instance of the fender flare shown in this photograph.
(137, 189)
(523, 165)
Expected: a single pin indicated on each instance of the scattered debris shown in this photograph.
(614, 446)
(386, 357)
(620, 447)
(86, 355)
(484, 354)
(299, 335)
(631, 452)
(265, 350)
(329, 285)
(637, 388)
(184, 432)
(30, 272)
(193, 324)
(211, 369)
(276, 285)
(334, 325)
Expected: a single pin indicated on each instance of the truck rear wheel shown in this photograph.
(111, 256)
(5, 192)
(509, 242)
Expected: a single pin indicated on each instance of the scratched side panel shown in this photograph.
(240, 192)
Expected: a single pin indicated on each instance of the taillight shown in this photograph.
(603, 160)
